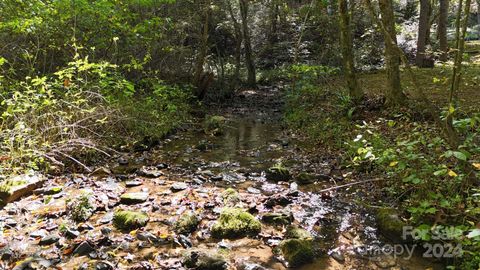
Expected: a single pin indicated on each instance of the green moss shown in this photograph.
(6, 186)
(390, 224)
(186, 224)
(304, 178)
(278, 173)
(235, 223)
(277, 218)
(297, 252)
(129, 220)
(230, 197)
(297, 233)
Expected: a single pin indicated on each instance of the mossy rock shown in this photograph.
(200, 260)
(235, 223)
(129, 220)
(297, 252)
(81, 208)
(278, 218)
(214, 125)
(230, 197)
(134, 197)
(304, 178)
(390, 224)
(186, 224)
(294, 232)
(278, 173)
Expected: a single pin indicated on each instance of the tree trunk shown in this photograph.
(478, 16)
(273, 35)
(394, 94)
(238, 41)
(423, 31)
(202, 54)
(346, 42)
(251, 81)
(442, 30)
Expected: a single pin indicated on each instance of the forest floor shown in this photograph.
(434, 82)
(189, 173)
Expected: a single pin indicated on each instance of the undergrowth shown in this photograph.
(79, 112)
(424, 177)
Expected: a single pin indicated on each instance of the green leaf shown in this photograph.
(460, 155)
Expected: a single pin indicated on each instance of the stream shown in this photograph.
(188, 172)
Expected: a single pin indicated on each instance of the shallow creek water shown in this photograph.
(251, 143)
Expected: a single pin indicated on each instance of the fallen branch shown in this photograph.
(350, 184)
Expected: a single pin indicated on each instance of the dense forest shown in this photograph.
(239, 134)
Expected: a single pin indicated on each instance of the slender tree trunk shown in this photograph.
(478, 15)
(273, 35)
(203, 50)
(423, 31)
(238, 41)
(394, 94)
(461, 29)
(346, 42)
(442, 29)
(251, 81)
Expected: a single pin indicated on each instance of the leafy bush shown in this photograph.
(79, 109)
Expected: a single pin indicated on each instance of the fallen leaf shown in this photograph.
(452, 173)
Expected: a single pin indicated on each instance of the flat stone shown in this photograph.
(150, 172)
(38, 234)
(133, 183)
(179, 186)
(20, 186)
(134, 197)
(72, 234)
(253, 190)
(48, 190)
(49, 239)
(106, 218)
